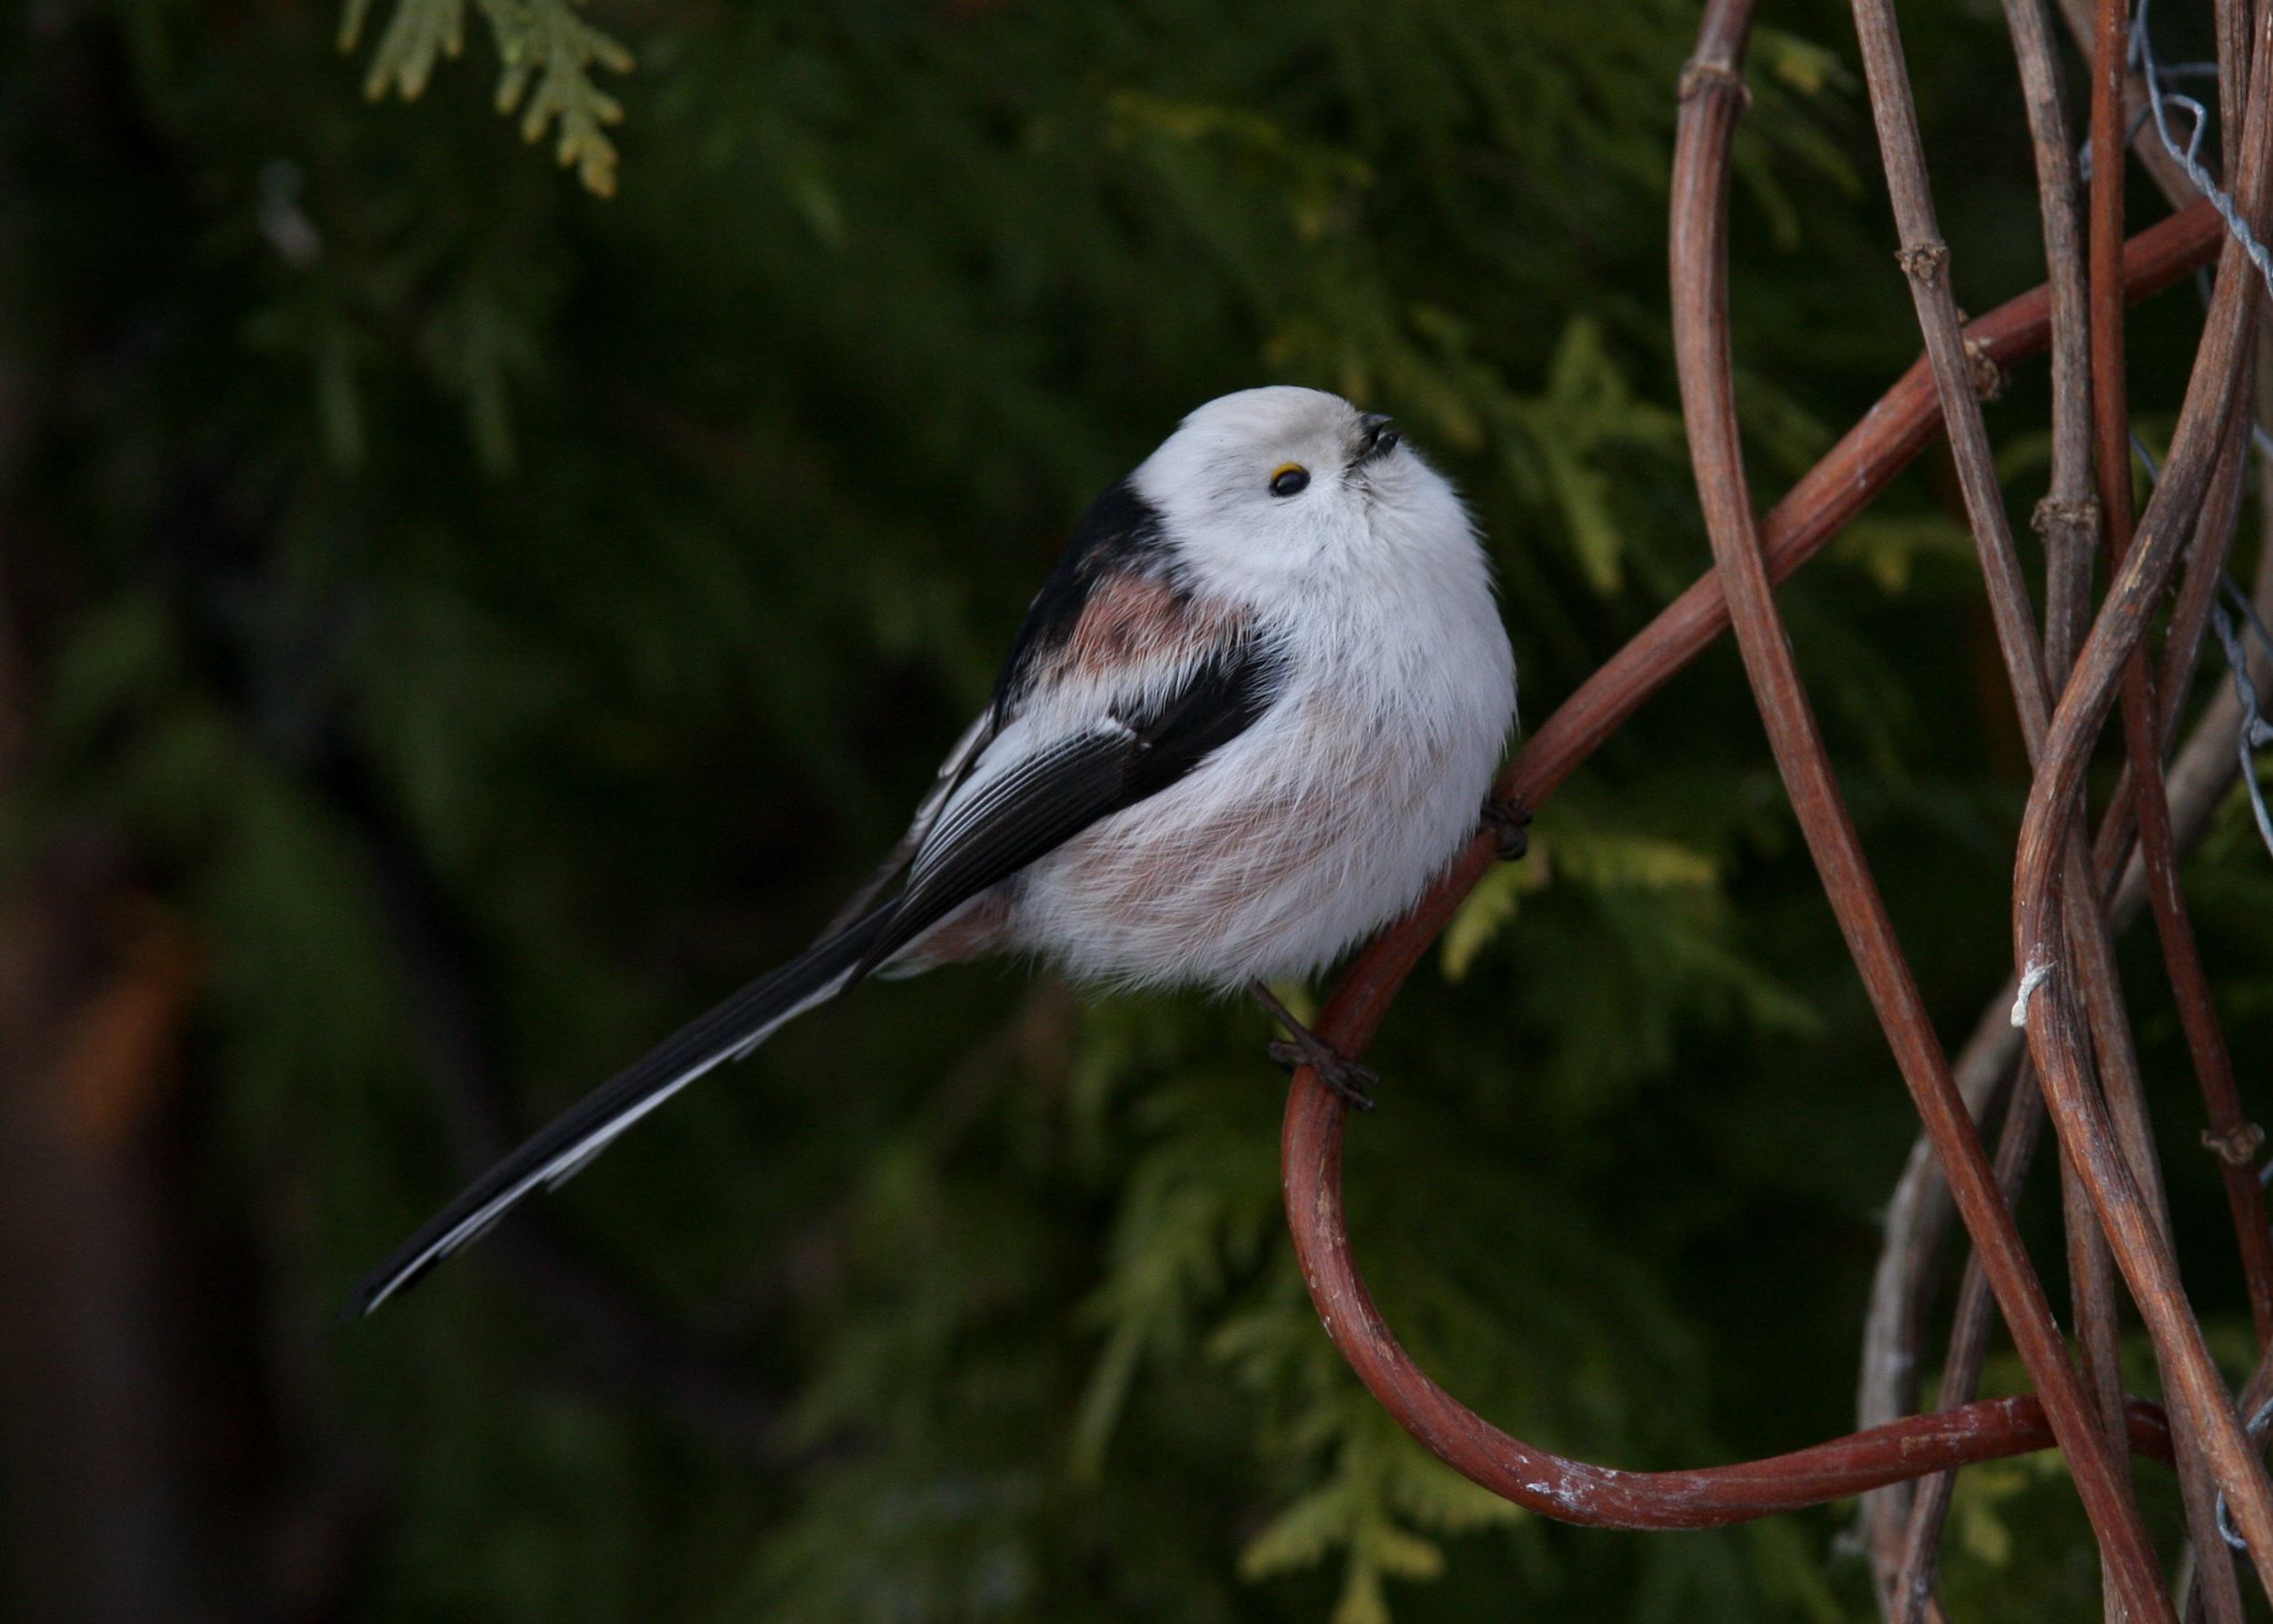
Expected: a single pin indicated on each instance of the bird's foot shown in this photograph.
(1511, 824)
(1302, 1047)
(1344, 1076)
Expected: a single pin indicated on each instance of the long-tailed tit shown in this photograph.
(1251, 714)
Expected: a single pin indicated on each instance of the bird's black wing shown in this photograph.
(980, 839)
(1121, 533)
(1000, 825)
(943, 784)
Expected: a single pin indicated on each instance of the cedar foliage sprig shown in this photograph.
(541, 42)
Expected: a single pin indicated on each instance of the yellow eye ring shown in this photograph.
(1287, 478)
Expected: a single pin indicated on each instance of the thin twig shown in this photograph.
(1910, 1593)
(1927, 262)
(1918, 1211)
(1903, 1285)
(2068, 608)
(2140, 1250)
(2228, 709)
(2150, 809)
(2256, 731)
(1850, 476)
(2231, 1136)
(2205, 569)
(1701, 346)
(2122, 1094)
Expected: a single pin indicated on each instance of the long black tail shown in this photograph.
(557, 1153)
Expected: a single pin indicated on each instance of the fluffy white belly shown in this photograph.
(1294, 840)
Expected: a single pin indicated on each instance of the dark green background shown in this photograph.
(445, 651)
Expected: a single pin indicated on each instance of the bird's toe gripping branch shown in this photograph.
(1510, 824)
(1302, 1047)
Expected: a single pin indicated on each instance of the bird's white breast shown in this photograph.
(1332, 813)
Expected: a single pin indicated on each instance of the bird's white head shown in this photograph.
(1270, 487)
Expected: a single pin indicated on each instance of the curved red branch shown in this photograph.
(1903, 422)
(1603, 1496)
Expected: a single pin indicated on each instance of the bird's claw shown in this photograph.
(1338, 1071)
(1302, 1047)
(1511, 824)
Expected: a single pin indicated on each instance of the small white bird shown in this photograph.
(1252, 714)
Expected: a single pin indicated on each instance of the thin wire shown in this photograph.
(2255, 1427)
(2156, 75)
(2083, 153)
(2226, 1530)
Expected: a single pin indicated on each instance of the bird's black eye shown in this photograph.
(1290, 479)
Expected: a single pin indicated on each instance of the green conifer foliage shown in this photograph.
(488, 622)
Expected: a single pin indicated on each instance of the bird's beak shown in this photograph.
(1376, 437)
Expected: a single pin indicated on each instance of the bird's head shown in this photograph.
(1262, 486)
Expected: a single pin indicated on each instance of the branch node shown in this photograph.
(2075, 521)
(2237, 1146)
(1699, 76)
(1989, 377)
(1923, 263)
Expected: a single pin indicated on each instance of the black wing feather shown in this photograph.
(1005, 826)
(1023, 816)
(561, 1148)
(1031, 812)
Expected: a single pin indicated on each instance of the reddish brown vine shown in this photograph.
(1901, 425)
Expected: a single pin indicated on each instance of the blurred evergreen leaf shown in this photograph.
(541, 42)
(499, 627)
